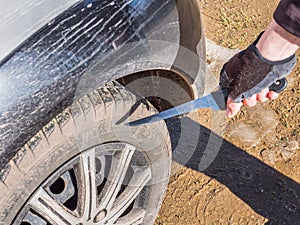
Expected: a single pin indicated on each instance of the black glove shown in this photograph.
(248, 73)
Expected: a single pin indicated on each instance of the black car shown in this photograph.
(72, 73)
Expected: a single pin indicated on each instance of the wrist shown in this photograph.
(276, 43)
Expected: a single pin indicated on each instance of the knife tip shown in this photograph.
(146, 120)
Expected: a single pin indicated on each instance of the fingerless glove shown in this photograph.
(248, 73)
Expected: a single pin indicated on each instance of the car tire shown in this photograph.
(87, 167)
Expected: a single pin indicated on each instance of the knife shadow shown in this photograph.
(267, 191)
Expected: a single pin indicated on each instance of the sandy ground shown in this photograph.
(255, 176)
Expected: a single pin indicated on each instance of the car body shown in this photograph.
(54, 52)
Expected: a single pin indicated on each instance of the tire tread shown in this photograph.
(101, 102)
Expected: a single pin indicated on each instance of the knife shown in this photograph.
(215, 100)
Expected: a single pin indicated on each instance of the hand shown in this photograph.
(247, 76)
(233, 108)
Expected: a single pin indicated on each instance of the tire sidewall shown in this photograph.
(66, 143)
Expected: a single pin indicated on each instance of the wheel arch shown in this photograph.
(27, 110)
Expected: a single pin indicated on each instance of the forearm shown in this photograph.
(276, 43)
(248, 75)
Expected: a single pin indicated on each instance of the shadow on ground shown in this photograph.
(267, 191)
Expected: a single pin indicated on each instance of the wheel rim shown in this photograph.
(107, 184)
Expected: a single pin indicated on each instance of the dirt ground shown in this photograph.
(255, 176)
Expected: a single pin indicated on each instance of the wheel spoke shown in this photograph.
(88, 172)
(140, 178)
(99, 186)
(43, 203)
(118, 170)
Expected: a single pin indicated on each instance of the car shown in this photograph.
(72, 73)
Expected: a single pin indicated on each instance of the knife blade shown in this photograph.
(215, 100)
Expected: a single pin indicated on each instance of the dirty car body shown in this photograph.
(54, 52)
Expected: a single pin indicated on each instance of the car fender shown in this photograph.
(86, 46)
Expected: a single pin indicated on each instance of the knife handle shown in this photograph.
(279, 85)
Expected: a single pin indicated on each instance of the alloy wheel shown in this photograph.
(107, 184)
